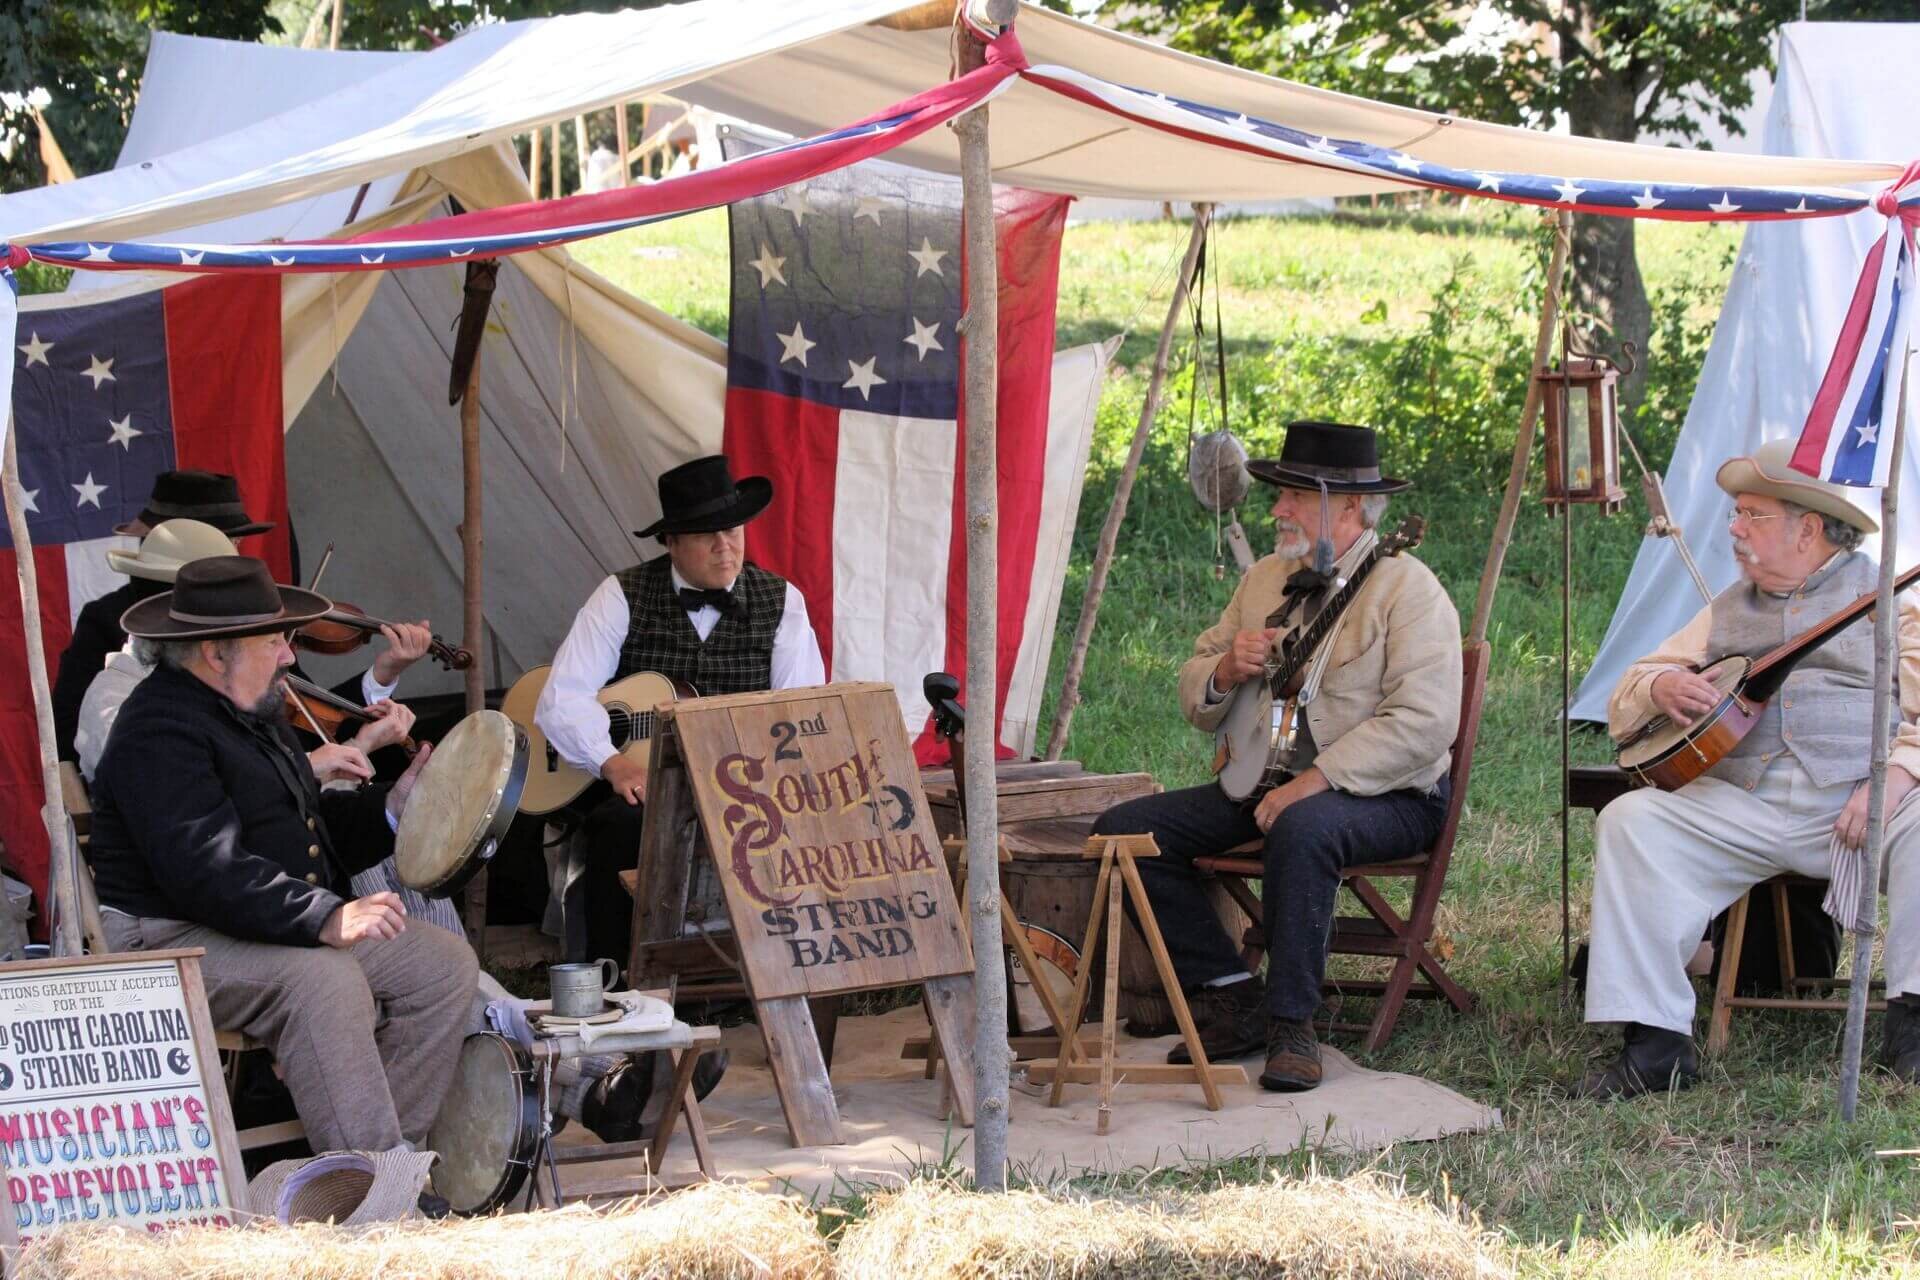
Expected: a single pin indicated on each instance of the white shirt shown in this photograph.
(570, 714)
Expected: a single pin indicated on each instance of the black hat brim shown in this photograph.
(144, 523)
(149, 620)
(750, 497)
(1273, 473)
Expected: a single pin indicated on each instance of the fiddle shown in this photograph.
(346, 627)
(323, 712)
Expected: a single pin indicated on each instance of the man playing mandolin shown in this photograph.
(1366, 773)
(1791, 796)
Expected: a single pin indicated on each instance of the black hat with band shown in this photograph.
(702, 497)
(223, 596)
(207, 496)
(1340, 457)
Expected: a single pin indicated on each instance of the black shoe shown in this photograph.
(1235, 1024)
(1900, 1038)
(433, 1206)
(1293, 1057)
(613, 1104)
(1653, 1060)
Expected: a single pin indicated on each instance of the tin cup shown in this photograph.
(579, 990)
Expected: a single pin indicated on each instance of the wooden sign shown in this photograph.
(811, 807)
(112, 1108)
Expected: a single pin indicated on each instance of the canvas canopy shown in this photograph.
(1841, 89)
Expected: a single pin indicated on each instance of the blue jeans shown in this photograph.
(1313, 841)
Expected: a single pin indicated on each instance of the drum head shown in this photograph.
(456, 799)
(478, 1135)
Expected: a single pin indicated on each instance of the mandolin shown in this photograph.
(1666, 755)
(1255, 742)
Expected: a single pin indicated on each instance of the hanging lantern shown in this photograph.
(1580, 400)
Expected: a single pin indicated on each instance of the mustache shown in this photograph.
(1743, 551)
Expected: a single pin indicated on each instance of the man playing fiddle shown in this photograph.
(1790, 798)
(211, 831)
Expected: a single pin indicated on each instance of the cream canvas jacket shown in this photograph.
(1389, 703)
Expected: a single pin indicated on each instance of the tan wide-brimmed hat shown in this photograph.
(171, 544)
(1766, 472)
(348, 1188)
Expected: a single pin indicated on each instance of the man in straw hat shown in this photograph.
(1792, 797)
(701, 614)
(1368, 777)
(210, 831)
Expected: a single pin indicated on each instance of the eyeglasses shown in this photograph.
(1738, 514)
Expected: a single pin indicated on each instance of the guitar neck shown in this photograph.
(1771, 668)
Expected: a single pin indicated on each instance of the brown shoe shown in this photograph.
(1293, 1057)
(1231, 1020)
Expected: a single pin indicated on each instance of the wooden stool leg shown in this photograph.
(1077, 1007)
(683, 1064)
(1719, 1023)
(1112, 1009)
(1783, 940)
(1023, 951)
(1176, 996)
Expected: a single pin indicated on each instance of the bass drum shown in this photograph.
(489, 1126)
(462, 804)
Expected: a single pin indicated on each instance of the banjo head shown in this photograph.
(1661, 735)
(467, 791)
(481, 1135)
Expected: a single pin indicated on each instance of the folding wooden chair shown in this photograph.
(1804, 994)
(1382, 931)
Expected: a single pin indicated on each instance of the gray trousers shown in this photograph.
(366, 1037)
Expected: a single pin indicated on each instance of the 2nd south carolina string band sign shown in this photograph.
(106, 1116)
(812, 805)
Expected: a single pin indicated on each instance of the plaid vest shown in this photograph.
(736, 656)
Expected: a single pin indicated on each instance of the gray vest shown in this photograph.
(1823, 715)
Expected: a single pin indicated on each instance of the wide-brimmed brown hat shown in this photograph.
(1765, 471)
(223, 596)
(1344, 458)
(210, 497)
(171, 544)
(702, 497)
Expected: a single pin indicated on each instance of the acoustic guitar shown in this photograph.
(552, 782)
(1256, 740)
(1666, 755)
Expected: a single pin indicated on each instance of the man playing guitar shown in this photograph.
(1790, 797)
(1367, 775)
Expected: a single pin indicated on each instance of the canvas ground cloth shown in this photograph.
(890, 1115)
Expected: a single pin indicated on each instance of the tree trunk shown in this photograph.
(1607, 287)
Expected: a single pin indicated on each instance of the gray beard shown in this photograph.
(271, 704)
(1295, 546)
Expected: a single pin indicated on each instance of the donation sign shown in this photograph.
(105, 1110)
(833, 876)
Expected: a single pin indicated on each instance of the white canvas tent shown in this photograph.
(1842, 89)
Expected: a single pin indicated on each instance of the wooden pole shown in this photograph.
(981, 338)
(1110, 531)
(533, 161)
(620, 141)
(60, 853)
(555, 166)
(1523, 441)
(473, 620)
(1884, 667)
(334, 41)
(580, 152)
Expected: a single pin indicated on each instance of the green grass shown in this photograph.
(1322, 316)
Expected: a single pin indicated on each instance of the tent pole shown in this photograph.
(1523, 441)
(60, 854)
(534, 161)
(1110, 531)
(580, 151)
(1884, 659)
(333, 42)
(982, 339)
(473, 625)
(620, 143)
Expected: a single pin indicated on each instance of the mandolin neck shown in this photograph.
(1770, 669)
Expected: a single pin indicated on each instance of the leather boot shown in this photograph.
(1235, 1024)
(1652, 1060)
(1293, 1057)
(1900, 1038)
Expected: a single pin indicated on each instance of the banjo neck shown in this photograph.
(1307, 640)
(1771, 669)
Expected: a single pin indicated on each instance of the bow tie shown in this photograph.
(694, 599)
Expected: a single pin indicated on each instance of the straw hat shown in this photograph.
(1766, 472)
(350, 1188)
(171, 544)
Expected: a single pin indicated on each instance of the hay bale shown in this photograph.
(712, 1232)
(1340, 1229)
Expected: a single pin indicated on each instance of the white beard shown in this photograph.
(1292, 543)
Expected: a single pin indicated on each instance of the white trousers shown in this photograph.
(1667, 862)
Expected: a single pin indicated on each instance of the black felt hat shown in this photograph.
(206, 496)
(702, 497)
(223, 596)
(1346, 458)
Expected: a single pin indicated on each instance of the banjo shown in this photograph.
(1256, 742)
(1666, 755)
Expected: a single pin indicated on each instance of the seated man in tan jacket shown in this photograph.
(1366, 781)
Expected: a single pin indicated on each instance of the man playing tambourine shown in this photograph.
(1790, 798)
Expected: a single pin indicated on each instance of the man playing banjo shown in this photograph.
(210, 831)
(1367, 777)
(1790, 797)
